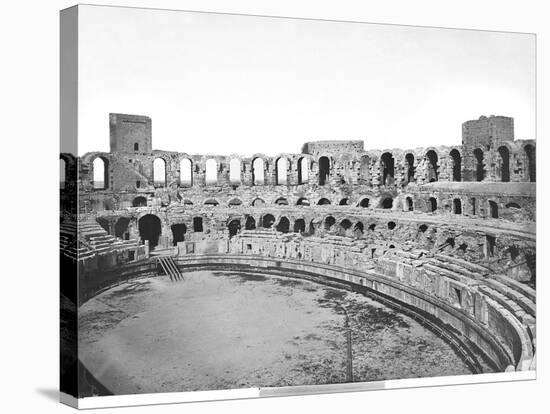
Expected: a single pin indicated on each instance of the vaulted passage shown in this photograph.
(433, 167)
(388, 168)
(150, 229)
(530, 161)
(303, 171)
(299, 226)
(267, 221)
(479, 167)
(324, 170)
(100, 173)
(139, 202)
(284, 225)
(121, 228)
(503, 167)
(178, 232)
(456, 164)
(234, 227)
(409, 164)
(250, 223)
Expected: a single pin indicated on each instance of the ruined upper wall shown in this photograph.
(130, 133)
(487, 132)
(332, 147)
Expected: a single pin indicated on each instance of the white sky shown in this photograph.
(226, 84)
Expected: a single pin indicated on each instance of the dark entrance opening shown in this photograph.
(504, 164)
(410, 205)
(387, 203)
(388, 170)
(493, 209)
(234, 227)
(121, 228)
(299, 226)
(250, 223)
(364, 203)
(457, 165)
(150, 229)
(324, 170)
(480, 170)
(344, 202)
(409, 160)
(104, 223)
(139, 202)
(329, 222)
(178, 233)
(197, 224)
(432, 204)
(284, 225)
(323, 202)
(433, 173)
(530, 158)
(267, 221)
(457, 206)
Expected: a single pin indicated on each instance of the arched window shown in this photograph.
(100, 174)
(178, 233)
(409, 164)
(456, 164)
(530, 168)
(457, 206)
(329, 222)
(345, 225)
(410, 204)
(387, 203)
(493, 209)
(235, 171)
(281, 167)
(250, 223)
(432, 203)
(62, 173)
(186, 172)
(281, 201)
(323, 202)
(387, 165)
(283, 226)
(302, 202)
(235, 202)
(211, 176)
(234, 227)
(433, 173)
(344, 202)
(303, 171)
(364, 170)
(136, 146)
(299, 226)
(364, 203)
(358, 229)
(479, 169)
(159, 172)
(258, 171)
(267, 221)
(139, 201)
(504, 164)
(324, 170)
(258, 202)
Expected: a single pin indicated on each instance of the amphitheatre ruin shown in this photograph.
(443, 236)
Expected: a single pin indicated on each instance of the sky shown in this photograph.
(232, 84)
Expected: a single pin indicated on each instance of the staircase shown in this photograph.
(170, 268)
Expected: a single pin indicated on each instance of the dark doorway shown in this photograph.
(284, 225)
(329, 222)
(324, 170)
(493, 209)
(432, 204)
(178, 233)
(299, 226)
(250, 223)
(409, 161)
(479, 170)
(150, 229)
(234, 227)
(504, 164)
(139, 202)
(197, 224)
(364, 203)
(121, 228)
(530, 159)
(388, 168)
(387, 203)
(457, 165)
(324, 202)
(433, 173)
(457, 206)
(104, 223)
(410, 205)
(267, 221)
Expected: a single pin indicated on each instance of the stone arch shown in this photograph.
(235, 171)
(503, 165)
(456, 161)
(365, 202)
(121, 228)
(235, 202)
(281, 167)
(299, 225)
(303, 171)
(150, 229)
(323, 202)
(100, 173)
(530, 161)
(258, 177)
(329, 222)
(391, 225)
(386, 203)
(409, 167)
(159, 172)
(250, 223)
(457, 206)
(432, 204)
(358, 229)
(302, 201)
(409, 204)
(258, 202)
(178, 232)
(211, 172)
(234, 227)
(283, 226)
(324, 170)
(267, 221)
(344, 202)
(432, 173)
(281, 201)
(479, 164)
(186, 172)
(387, 166)
(211, 202)
(345, 225)
(493, 209)
(139, 201)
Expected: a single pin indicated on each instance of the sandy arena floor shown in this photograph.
(222, 330)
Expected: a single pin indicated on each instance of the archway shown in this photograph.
(267, 221)
(281, 171)
(159, 172)
(479, 169)
(299, 226)
(344, 202)
(302, 202)
(364, 170)
(329, 222)
(345, 225)
(303, 171)
(387, 203)
(457, 206)
(250, 223)
(211, 202)
(457, 165)
(493, 209)
(258, 202)
(235, 202)
(139, 201)
(121, 228)
(432, 203)
(504, 164)
(364, 203)
(409, 203)
(324, 170)
(211, 173)
(178, 232)
(235, 171)
(150, 229)
(284, 225)
(281, 201)
(197, 225)
(530, 159)
(358, 229)
(234, 227)
(323, 202)
(186, 172)
(409, 164)
(100, 173)
(388, 168)
(432, 173)
(258, 171)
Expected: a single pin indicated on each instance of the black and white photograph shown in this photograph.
(267, 203)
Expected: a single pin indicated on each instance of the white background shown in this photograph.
(29, 289)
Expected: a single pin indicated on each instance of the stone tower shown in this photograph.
(130, 133)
